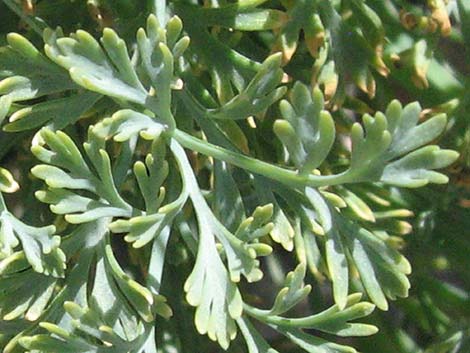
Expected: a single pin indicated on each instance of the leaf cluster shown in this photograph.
(176, 170)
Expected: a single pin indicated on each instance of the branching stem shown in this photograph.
(3, 206)
(285, 176)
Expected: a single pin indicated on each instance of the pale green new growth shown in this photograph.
(139, 174)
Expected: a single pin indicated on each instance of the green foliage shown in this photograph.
(174, 180)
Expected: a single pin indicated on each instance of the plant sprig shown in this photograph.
(172, 159)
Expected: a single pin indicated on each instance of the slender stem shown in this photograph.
(159, 9)
(3, 206)
(35, 24)
(285, 176)
(206, 243)
(157, 259)
(330, 314)
(264, 316)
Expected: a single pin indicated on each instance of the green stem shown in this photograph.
(3, 206)
(285, 176)
(159, 9)
(206, 237)
(330, 316)
(309, 321)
